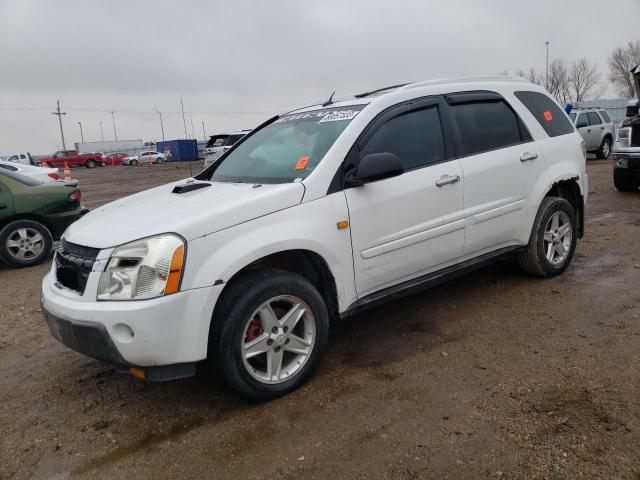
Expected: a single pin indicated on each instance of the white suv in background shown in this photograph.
(596, 129)
(221, 144)
(315, 215)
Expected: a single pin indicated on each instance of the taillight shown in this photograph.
(54, 175)
(225, 149)
(74, 196)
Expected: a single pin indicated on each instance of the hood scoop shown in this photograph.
(189, 187)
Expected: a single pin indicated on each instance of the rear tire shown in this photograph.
(605, 148)
(24, 243)
(287, 354)
(91, 163)
(553, 239)
(624, 181)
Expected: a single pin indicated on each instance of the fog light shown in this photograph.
(622, 162)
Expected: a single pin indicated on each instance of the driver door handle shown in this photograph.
(447, 179)
(526, 156)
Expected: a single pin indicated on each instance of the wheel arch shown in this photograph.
(307, 263)
(28, 216)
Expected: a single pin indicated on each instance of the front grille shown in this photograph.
(74, 264)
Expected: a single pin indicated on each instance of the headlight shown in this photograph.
(624, 136)
(147, 268)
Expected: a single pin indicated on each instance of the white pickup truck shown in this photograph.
(24, 158)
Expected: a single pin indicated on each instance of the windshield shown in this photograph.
(286, 150)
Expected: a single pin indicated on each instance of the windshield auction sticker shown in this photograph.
(324, 115)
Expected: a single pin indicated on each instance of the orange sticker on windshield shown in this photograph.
(302, 162)
(547, 116)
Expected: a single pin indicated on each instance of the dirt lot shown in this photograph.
(494, 375)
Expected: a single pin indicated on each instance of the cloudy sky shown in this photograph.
(237, 62)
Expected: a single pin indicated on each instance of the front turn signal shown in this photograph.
(175, 271)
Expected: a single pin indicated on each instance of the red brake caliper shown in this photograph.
(254, 330)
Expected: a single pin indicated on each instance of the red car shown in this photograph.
(72, 158)
(114, 158)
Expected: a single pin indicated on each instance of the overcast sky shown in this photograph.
(236, 63)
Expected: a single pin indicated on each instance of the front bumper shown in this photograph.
(163, 331)
(628, 161)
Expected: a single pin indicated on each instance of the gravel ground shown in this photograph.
(493, 375)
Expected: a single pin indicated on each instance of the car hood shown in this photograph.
(191, 214)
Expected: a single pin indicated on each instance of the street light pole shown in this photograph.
(59, 114)
(184, 122)
(81, 134)
(546, 77)
(204, 134)
(193, 132)
(113, 119)
(161, 125)
(101, 131)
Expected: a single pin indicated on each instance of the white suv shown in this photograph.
(313, 216)
(220, 144)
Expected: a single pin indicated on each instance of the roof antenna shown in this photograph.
(330, 101)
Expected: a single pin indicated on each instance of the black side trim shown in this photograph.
(427, 281)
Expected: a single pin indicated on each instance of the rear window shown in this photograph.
(552, 119)
(485, 126)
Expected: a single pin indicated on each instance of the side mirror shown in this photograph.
(375, 166)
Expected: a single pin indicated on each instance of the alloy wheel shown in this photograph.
(25, 244)
(278, 339)
(558, 236)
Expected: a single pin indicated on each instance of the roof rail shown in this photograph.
(443, 81)
(366, 94)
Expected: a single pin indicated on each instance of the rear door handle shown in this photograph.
(447, 179)
(526, 156)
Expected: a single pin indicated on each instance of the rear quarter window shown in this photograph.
(605, 116)
(552, 119)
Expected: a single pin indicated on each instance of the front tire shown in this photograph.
(24, 243)
(91, 163)
(134, 163)
(159, 160)
(268, 334)
(605, 149)
(553, 239)
(624, 181)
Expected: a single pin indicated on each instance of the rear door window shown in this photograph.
(485, 125)
(594, 118)
(415, 137)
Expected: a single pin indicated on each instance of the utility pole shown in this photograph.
(546, 77)
(113, 119)
(193, 132)
(101, 131)
(204, 134)
(81, 134)
(59, 114)
(184, 122)
(161, 125)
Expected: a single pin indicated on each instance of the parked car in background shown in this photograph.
(316, 215)
(73, 159)
(150, 156)
(626, 150)
(34, 214)
(219, 147)
(114, 158)
(596, 129)
(44, 174)
(23, 158)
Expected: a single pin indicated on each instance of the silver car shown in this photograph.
(596, 129)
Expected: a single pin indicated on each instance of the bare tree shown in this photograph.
(621, 61)
(558, 82)
(583, 78)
